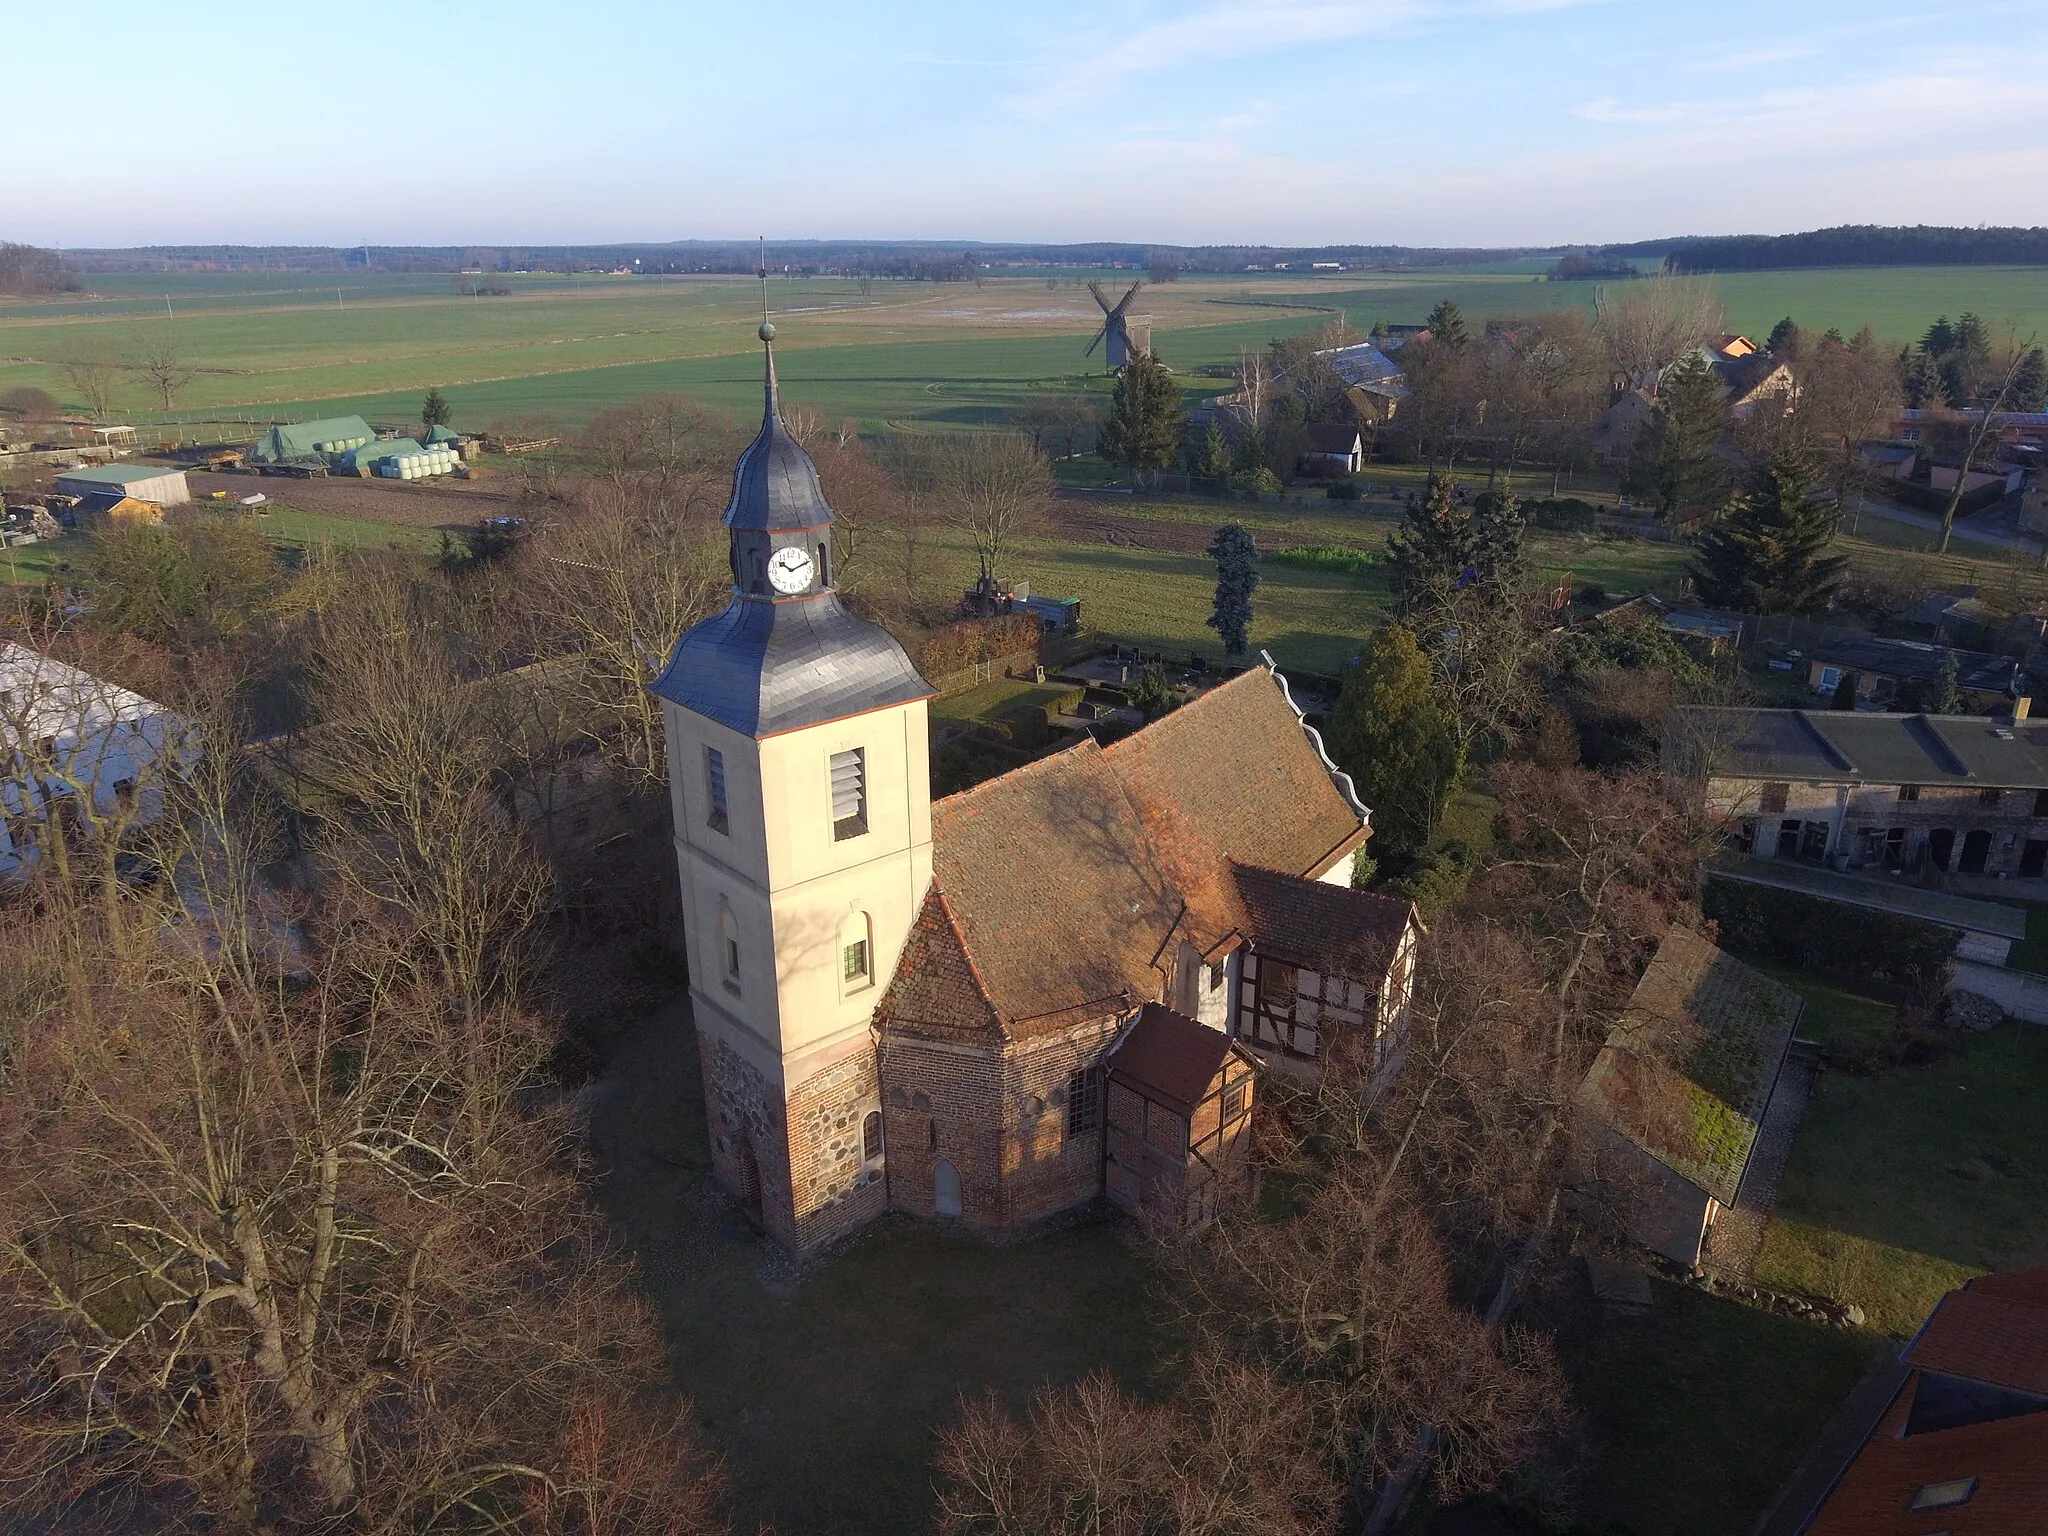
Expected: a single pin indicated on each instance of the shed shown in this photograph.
(123, 510)
(1334, 448)
(1180, 1115)
(144, 482)
(1684, 1081)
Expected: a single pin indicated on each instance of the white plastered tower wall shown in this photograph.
(800, 786)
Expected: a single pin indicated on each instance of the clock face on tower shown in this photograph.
(789, 570)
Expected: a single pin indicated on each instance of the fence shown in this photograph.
(982, 672)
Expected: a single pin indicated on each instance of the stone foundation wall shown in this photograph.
(743, 1108)
(835, 1189)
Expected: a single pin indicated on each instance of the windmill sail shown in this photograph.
(1116, 327)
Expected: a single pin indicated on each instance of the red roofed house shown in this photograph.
(914, 1007)
(1961, 1444)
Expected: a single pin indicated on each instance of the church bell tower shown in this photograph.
(801, 791)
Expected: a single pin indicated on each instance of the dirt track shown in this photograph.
(408, 503)
(1097, 520)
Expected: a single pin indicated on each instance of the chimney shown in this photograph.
(2020, 706)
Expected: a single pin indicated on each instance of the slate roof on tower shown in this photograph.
(775, 485)
(768, 665)
(1057, 888)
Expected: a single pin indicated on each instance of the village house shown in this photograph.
(1884, 669)
(1906, 793)
(1953, 1438)
(917, 1007)
(1683, 1084)
(83, 756)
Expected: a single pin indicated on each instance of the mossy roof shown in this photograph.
(1688, 1071)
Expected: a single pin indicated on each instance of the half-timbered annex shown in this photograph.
(1179, 1118)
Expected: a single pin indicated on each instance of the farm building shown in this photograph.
(1683, 1083)
(125, 510)
(1179, 1118)
(311, 442)
(1334, 448)
(111, 482)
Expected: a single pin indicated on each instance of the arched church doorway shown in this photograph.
(946, 1191)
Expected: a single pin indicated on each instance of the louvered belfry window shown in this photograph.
(714, 778)
(849, 794)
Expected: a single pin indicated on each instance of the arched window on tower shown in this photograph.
(757, 580)
(728, 950)
(856, 953)
(825, 564)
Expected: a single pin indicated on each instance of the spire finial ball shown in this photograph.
(767, 331)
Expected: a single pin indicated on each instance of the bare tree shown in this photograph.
(319, 1253)
(92, 373)
(1254, 386)
(158, 358)
(658, 445)
(1993, 391)
(1653, 323)
(995, 488)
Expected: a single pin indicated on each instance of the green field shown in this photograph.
(298, 344)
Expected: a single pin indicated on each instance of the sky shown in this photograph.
(1416, 122)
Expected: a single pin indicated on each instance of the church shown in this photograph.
(1059, 985)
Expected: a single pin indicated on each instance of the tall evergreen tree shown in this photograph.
(1497, 527)
(1447, 324)
(1390, 731)
(1783, 334)
(1210, 459)
(435, 411)
(1250, 457)
(1948, 692)
(1236, 554)
(1145, 416)
(1767, 555)
(1673, 464)
(1434, 548)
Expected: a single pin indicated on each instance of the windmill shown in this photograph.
(1116, 327)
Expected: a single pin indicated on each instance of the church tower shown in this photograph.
(800, 784)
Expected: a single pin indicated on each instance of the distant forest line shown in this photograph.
(1848, 245)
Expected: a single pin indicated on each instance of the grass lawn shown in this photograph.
(1905, 1183)
(2031, 953)
(1835, 1015)
(1701, 1407)
(823, 1392)
(33, 564)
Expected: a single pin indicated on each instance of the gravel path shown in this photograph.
(1738, 1234)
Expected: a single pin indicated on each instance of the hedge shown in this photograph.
(968, 641)
(1851, 943)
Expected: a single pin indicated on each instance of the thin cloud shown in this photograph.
(1230, 30)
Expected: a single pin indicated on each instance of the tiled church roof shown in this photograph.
(1064, 881)
(1324, 927)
